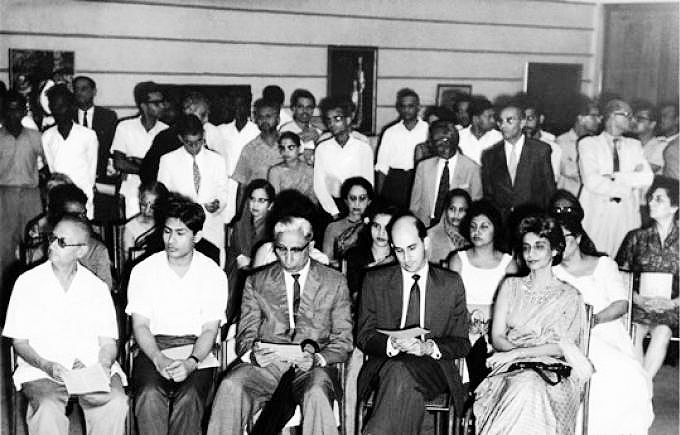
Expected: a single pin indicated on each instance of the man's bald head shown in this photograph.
(69, 240)
(410, 242)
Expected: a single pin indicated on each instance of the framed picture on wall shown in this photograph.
(32, 72)
(352, 74)
(448, 94)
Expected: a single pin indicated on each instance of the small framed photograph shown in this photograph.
(448, 94)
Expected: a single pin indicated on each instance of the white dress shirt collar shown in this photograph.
(518, 149)
(407, 283)
(440, 168)
(90, 115)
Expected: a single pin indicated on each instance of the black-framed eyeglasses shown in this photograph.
(155, 101)
(61, 241)
(296, 250)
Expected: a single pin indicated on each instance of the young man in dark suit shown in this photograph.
(517, 171)
(408, 371)
(100, 119)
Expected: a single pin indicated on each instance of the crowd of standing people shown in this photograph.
(474, 224)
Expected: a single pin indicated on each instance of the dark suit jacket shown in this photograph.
(446, 317)
(165, 142)
(534, 181)
(324, 311)
(104, 125)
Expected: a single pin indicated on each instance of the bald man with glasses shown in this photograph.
(61, 318)
(614, 171)
(294, 300)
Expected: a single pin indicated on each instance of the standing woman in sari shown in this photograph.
(537, 319)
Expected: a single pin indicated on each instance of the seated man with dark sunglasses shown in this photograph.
(291, 301)
(61, 318)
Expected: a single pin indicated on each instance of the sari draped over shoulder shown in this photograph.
(521, 402)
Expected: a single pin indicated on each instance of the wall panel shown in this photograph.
(485, 43)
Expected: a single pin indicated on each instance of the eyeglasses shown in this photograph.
(295, 250)
(508, 120)
(259, 200)
(442, 141)
(622, 113)
(155, 102)
(61, 241)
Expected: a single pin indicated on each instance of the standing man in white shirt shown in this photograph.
(61, 318)
(614, 172)
(339, 157)
(70, 148)
(177, 299)
(133, 139)
(481, 133)
(394, 167)
(198, 173)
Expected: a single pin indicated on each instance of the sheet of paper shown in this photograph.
(656, 285)
(287, 352)
(91, 379)
(404, 333)
(183, 352)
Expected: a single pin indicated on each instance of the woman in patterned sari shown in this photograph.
(537, 318)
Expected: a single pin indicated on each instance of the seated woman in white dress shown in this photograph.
(621, 391)
(482, 267)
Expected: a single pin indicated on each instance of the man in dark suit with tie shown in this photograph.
(289, 301)
(100, 119)
(517, 171)
(409, 371)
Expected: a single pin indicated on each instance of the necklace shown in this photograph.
(540, 295)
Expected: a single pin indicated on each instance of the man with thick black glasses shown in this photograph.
(292, 301)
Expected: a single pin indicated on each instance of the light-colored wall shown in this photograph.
(484, 43)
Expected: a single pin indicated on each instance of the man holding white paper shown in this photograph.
(289, 302)
(61, 319)
(408, 369)
(177, 299)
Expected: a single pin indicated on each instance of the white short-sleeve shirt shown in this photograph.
(472, 147)
(75, 156)
(132, 139)
(60, 326)
(398, 145)
(177, 305)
